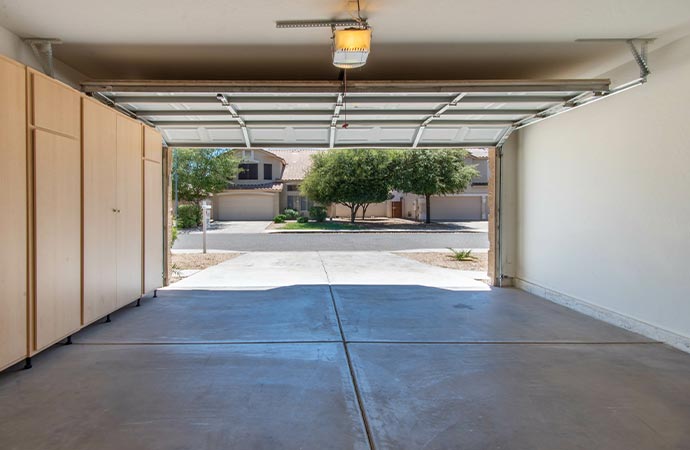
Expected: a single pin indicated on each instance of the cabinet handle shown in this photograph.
(114, 210)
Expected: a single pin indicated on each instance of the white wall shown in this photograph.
(12, 46)
(603, 198)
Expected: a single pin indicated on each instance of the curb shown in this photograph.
(375, 231)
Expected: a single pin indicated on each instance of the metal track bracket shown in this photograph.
(43, 49)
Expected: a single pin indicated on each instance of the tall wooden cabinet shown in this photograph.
(130, 215)
(82, 230)
(55, 188)
(112, 164)
(13, 201)
(153, 210)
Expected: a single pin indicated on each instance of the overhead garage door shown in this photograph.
(456, 208)
(400, 114)
(245, 207)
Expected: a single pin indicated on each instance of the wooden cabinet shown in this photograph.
(13, 202)
(83, 202)
(112, 163)
(57, 187)
(55, 210)
(130, 215)
(55, 106)
(153, 145)
(153, 210)
(100, 209)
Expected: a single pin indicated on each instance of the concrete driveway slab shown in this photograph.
(423, 314)
(283, 314)
(162, 397)
(524, 397)
(259, 270)
(382, 268)
(250, 355)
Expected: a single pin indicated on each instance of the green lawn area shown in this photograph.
(320, 226)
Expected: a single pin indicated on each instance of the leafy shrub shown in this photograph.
(188, 216)
(302, 219)
(318, 213)
(173, 235)
(291, 214)
(280, 218)
(462, 255)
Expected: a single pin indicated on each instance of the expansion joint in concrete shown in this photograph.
(353, 376)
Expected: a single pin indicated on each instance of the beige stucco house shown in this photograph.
(270, 183)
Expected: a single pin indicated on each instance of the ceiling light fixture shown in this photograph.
(351, 47)
(351, 38)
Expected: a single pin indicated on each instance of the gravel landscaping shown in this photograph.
(196, 261)
(445, 259)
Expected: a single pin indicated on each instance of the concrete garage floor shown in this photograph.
(347, 351)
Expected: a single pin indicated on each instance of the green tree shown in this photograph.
(354, 178)
(201, 172)
(430, 172)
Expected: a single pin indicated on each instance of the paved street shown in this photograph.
(332, 241)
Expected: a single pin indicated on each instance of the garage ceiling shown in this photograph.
(400, 114)
(413, 39)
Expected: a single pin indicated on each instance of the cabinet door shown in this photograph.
(13, 226)
(153, 225)
(129, 203)
(100, 210)
(57, 191)
(153, 145)
(54, 106)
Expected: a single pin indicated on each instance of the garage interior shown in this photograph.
(582, 340)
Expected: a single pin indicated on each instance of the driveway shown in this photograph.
(332, 241)
(232, 227)
(348, 350)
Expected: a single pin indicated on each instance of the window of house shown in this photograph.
(248, 172)
(268, 171)
(293, 187)
(299, 203)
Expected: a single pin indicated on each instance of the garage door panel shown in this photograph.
(245, 207)
(452, 208)
(403, 113)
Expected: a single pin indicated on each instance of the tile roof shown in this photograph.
(271, 186)
(297, 162)
(478, 152)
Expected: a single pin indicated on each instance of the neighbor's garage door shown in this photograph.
(244, 207)
(456, 208)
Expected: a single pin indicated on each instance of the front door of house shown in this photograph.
(397, 209)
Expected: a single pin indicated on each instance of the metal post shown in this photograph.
(176, 201)
(203, 228)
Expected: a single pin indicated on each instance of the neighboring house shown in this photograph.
(472, 204)
(270, 179)
(268, 183)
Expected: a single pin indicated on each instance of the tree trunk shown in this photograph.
(353, 213)
(428, 208)
(364, 209)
